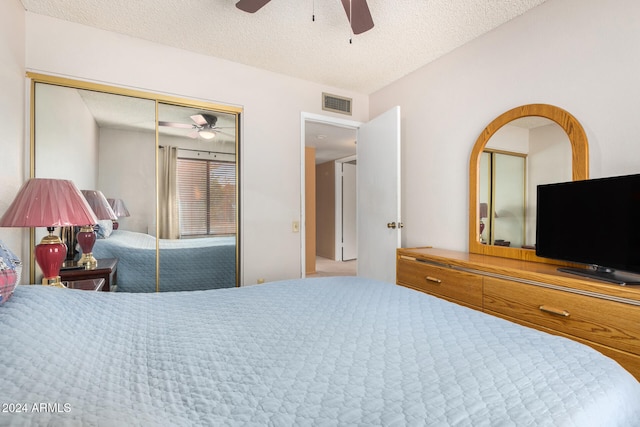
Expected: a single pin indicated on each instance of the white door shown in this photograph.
(378, 196)
(349, 213)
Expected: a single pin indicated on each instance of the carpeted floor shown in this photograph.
(328, 267)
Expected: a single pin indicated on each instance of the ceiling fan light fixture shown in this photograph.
(207, 134)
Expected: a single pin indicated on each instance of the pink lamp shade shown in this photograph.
(484, 210)
(99, 204)
(44, 202)
(87, 235)
(119, 209)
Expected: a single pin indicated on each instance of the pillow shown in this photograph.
(10, 269)
(104, 228)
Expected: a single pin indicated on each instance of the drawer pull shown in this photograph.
(555, 311)
(433, 279)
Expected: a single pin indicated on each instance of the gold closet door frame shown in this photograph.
(158, 98)
(492, 191)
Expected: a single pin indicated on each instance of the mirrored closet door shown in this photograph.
(197, 194)
(168, 168)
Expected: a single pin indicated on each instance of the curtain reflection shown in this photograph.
(169, 220)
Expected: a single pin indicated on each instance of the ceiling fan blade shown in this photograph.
(175, 125)
(251, 6)
(361, 20)
(193, 134)
(204, 119)
(199, 120)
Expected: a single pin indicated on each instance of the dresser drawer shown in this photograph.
(606, 322)
(454, 285)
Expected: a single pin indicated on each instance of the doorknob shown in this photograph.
(391, 225)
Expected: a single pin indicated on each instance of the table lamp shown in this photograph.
(119, 209)
(44, 202)
(87, 236)
(484, 211)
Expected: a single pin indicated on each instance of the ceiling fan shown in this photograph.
(357, 12)
(204, 126)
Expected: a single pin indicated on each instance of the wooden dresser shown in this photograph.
(603, 316)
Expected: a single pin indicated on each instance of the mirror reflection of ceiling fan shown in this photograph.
(357, 12)
(203, 126)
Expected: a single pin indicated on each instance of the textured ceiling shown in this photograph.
(282, 37)
(330, 142)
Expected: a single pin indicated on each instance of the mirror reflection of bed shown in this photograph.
(107, 142)
(185, 264)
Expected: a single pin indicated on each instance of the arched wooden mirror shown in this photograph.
(484, 174)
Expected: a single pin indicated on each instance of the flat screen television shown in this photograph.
(594, 222)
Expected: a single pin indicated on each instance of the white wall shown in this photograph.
(12, 118)
(510, 138)
(127, 171)
(580, 55)
(270, 150)
(67, 137)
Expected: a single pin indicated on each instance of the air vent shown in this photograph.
(337, 104)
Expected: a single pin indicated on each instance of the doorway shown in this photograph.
(328, 215)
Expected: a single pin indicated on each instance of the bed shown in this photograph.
(322, 351)
(185, 264)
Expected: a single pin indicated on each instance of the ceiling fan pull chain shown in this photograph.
(350, 24)
(313, 15)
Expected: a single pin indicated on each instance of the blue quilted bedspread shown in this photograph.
(326, 351)
(185, 264)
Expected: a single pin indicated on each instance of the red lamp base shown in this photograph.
(86, 239)
(50, 254)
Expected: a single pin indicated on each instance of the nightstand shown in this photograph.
(106, 269)
(86, 285)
